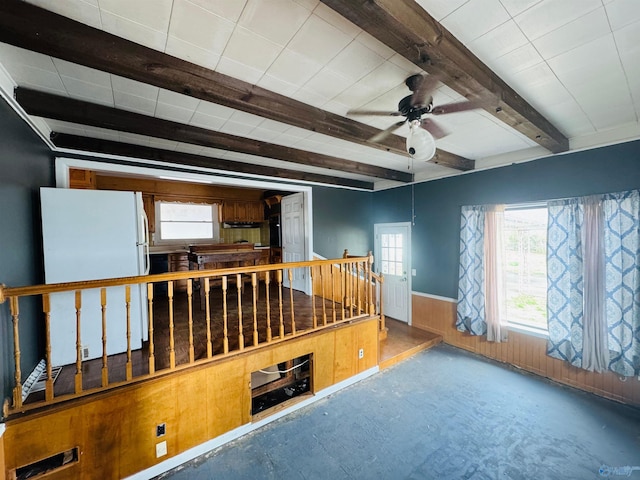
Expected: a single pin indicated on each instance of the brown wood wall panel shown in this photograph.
(524, 351)
(115, 431)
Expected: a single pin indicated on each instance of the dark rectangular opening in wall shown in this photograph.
(47, 465)
(279, 383)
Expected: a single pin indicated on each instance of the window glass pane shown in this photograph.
(399, 271)
(525, 266)
(398, 254)
(183, 212)
(385, 240)
(399, 240)
(392, 241)
(385, 267)
(190, 230)
(392, 268)
(385, 254)
(184, 221)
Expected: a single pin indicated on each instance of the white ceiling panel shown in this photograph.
(153, 14)
(285, 19)
(177, 47)
(293, 68)
(572, 35)
(622, 13)
(136, 32)
(200, 27)
(499, 41)
(250, 49)
(486, 15)
(223, 8)
(83, 11)
(548, 15)
(439, 9)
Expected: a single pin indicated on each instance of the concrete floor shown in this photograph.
(442, 414)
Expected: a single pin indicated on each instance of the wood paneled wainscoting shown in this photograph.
(524, 351)
(115, 431)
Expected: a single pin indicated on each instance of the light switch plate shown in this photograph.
(413, 272)
(161, 449)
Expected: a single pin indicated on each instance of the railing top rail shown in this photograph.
(6, 292)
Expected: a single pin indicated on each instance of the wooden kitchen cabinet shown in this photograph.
(84, 179)
(149, 205)
(237, 211)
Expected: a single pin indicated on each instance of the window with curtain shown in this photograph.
(502, 270)
(592, 279)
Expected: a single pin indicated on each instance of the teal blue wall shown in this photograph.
(342, 219)
(25, 165)
(435, 235)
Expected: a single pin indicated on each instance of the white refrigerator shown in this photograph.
(91, 235)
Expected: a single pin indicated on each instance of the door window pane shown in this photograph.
(392, 254)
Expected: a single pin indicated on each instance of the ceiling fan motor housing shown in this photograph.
(410, 111)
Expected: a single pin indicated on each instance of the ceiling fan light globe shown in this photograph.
(420, 143)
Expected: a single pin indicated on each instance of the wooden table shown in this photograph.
(205, 259)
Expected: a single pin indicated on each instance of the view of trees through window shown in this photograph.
(525, 266)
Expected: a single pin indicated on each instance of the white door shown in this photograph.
(293, 238)
(392, 258)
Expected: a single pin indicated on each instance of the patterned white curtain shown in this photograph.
(471, 286)
(494, 286)
(622, 280)
(593, 285)
(565, 280)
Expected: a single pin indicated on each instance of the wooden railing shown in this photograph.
(233, 318)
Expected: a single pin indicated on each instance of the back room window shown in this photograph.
(187, 221)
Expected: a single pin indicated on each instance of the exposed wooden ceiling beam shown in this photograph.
(39, 30)
(406, 28)
(95, 145)
(77, 111)
(33, 28)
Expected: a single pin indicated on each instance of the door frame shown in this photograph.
(376, 250)
(160, 170)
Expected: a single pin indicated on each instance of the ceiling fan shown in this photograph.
(422, 131)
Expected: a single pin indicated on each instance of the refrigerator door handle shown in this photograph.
(145, 242)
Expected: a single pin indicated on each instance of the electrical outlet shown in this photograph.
(361, 353)
(161, 430)
(161, 449)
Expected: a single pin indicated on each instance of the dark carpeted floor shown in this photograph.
(443, 414)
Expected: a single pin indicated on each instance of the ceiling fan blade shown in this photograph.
(456, 107)
(386, 132)
(377, 113)
(433, 128)
(421, 97)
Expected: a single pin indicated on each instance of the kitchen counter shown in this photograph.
(165, 249)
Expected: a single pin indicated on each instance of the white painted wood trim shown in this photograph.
(435, 297)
